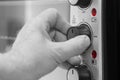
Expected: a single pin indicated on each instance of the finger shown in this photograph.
(73, 47)
(65, 65)
(52, 35)
(51, 19)
(59, 37)
(76, 60)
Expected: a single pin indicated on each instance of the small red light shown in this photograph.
(94, 54)
(94, 12)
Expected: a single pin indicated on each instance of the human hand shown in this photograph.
(41, 46)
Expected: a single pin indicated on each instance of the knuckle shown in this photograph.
(52, 11)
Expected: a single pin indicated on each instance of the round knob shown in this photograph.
(79, 73)
(84, 29)
(73, 2)
(80, 3)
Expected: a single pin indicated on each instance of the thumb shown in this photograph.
(71, 48)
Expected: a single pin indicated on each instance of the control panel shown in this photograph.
(85, 18)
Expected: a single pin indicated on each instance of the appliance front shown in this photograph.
(80, 13)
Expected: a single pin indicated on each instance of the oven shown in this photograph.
(79, 13)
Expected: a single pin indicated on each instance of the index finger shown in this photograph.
(51, 19)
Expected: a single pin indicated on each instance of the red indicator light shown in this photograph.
(94, 54)
(94, 12)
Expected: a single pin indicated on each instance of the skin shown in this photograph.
(40, 47)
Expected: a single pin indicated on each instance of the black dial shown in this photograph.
(83, 29)
(80, 3)
(79, 73)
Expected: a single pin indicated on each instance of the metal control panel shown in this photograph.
(87, 13)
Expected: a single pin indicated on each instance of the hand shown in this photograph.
(41, 46)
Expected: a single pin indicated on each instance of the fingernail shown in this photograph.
(85, 39)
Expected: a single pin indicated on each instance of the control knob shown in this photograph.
(80, 72)
(80, 3)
